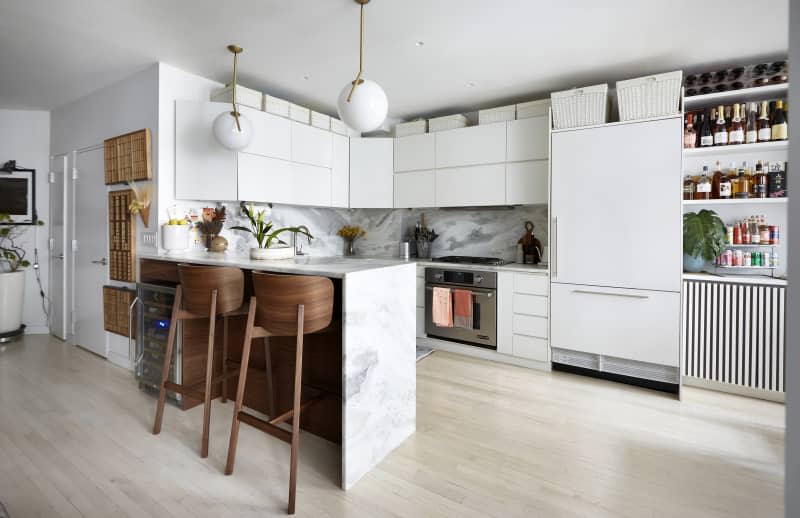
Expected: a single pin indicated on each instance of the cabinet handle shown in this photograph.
(554, 248)
(131, 351)
(627, 295)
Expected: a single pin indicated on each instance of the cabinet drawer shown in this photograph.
(529, 325)
(420, 292)
(636, 325)
(535, 305)
(530, 348)
(530, 284)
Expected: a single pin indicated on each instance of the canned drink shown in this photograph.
(756, 259)
(727, 258)
(763, 231)
(766, 260)
(774, 234)
(747, 260)
(729, 235)
(738, 258)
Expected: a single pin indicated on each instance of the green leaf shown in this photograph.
(704, 234)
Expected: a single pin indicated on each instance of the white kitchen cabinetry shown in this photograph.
(414, 189)
(204, 170)
(371, 173)
(523, 316)
(528, 139)
(414, 153)
(271, 134)
(641, 325)
(340, 173)
(264, 179)
(310, 145)
(474, 145)
(421, 302)
(527, 183)
(471, 186)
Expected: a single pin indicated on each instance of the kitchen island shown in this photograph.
(375, 304)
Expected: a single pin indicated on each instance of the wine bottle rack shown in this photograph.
(122, 236)
(128, 157)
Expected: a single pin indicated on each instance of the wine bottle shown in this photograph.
(764, 128)
(706, 137)
(720, 129)
(689, 136)
(751, 132)
(736, 132)
(779, 126)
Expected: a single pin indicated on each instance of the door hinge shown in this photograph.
(51, 243)
(52, 177)
(74, 245)
(74, 173)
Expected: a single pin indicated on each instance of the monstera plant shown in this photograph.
(703, 239)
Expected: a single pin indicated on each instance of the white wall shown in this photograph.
(128, 105)
(25, 137)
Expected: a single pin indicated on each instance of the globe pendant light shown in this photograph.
(232, 129)
(362, 104)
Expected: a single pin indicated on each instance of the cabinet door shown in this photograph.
(526, 182)
(471, 186)
(528, 139)
(414, 153)
(311, 185)
(414, 189)
(270, 180)
(371, 173)
(204, 170)
(632, 324)
(311, 145)
(271, 134)
(474, 145)
(340, 181)
(616, 205)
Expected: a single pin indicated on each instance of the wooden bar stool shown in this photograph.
(204, 292)
(283, 305)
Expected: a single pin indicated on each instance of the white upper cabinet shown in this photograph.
(270, 180)
(414, 153)
(528, 139)
(526, 182)
(271, 134)
(310, 145)
(204, 170)
(415, 189)
(340, 173)
(483, 144)
(371, 173)
(471, 186)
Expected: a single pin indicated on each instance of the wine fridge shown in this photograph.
(155, 311)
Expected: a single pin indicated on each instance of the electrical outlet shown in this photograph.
(149, 239)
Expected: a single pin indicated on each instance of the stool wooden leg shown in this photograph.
(248, 334)
(162, 392)
(224, 358)
(212, 321)
(298, 384)
(270, 389)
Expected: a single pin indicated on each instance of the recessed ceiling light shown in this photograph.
(419, 43)
(307, 77)
(471, 84)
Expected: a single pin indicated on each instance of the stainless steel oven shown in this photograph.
(483, 286)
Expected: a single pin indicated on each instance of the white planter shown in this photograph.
(175, 237)
(272, 253)
(12, 291)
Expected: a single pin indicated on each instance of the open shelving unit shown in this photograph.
(736, 201)
(737, 149)
(759, 93)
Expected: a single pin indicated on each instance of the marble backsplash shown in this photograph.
(491, 232)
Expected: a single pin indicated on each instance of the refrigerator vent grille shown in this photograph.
(610, 364)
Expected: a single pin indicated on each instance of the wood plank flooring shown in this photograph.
(492, 440)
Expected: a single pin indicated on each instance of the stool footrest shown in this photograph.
(265, 426)
(289, 413)
(186, 391)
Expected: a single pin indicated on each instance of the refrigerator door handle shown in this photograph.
(554, 251)
(628, 295)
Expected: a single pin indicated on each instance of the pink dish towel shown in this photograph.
(442, 310)
(462, 309)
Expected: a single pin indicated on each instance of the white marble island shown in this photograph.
(378, 347)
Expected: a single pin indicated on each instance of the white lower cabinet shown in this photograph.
(414, 189)
(471, 186)
(263, 179)
(420, 302)
(523, 323)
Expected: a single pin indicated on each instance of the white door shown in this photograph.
(91, 253)
(616, 205)
(57, 246)
(371, 173)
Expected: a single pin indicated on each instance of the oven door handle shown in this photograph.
(476, 293)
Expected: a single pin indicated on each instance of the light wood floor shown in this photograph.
(492, 440)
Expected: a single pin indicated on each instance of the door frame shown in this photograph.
(65, 262)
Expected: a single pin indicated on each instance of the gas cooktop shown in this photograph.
(467, 259)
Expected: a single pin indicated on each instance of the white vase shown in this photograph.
(175, 238)
(272, 253)
(12, 292)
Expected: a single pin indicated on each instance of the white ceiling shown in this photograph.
(55, 51)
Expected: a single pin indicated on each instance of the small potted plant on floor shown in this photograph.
(270, 246)
(12, 274)
(704, 237)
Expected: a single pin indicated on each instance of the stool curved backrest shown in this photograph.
(277, 298)
(197, 283)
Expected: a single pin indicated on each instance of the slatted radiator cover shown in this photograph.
(735, 333)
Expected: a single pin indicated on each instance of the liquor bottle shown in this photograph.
(779, 126)
(689, 135)
(751, 132)
(741, 188)
(706, 137)
(688, 187)
(736, 132)
(760, 182)
(764, 128)
(720, 128)
(725, 188)
(716, 180)
(702, 190)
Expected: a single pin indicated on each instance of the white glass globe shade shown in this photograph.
(228, 134)
(367, 108)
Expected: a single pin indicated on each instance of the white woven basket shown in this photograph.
(651, 96)
(578, 107)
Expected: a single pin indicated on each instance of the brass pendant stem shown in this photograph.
(235, 111)
(358, 79)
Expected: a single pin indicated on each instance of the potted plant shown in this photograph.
(704, 237)
(270, 246)
(350, 235)
(12, 274)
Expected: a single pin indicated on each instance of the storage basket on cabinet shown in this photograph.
(578, 107)
(652, 96)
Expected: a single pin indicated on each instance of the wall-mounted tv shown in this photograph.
(18, 195)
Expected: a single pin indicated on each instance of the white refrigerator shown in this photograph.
(616, 248)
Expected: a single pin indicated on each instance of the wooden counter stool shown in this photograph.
(204, 292)
(283, 305)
